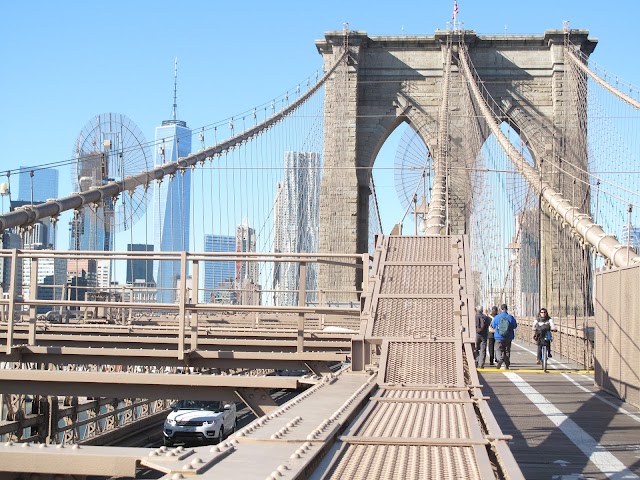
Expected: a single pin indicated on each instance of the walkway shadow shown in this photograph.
(541, 449)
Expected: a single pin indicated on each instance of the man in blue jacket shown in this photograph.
(503, 326)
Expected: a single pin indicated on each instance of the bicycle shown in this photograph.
(546, 344)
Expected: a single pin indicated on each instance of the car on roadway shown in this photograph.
(199, 421)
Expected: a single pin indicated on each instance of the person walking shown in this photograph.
(482, 330)
(491, 340)
(542, 328)
(504, 325)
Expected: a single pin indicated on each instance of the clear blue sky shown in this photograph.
(67, 61)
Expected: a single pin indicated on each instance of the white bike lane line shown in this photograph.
(553, 363)
(617, 408)
(606, 462)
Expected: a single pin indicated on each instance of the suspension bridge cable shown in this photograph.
(582, 223)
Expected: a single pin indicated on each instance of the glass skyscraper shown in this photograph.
(45, 184)
(140, 269)
(219, 275)
(171, 205)
(45, 187)
(97, 150)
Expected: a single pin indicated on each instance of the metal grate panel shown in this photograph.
(418, 279)
(366, 462)
(423, 363)
(407, 317)
(416, 420)
(405, 394)
(419, 249)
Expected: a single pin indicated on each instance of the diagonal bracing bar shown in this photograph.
(258, 400)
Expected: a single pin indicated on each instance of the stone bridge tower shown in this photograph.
(389, 80)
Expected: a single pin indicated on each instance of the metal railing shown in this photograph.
(68, 420)
(78, 298)
(574, 338)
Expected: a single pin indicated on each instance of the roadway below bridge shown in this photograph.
(151, 436)
(562, 426)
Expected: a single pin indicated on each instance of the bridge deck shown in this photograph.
(413, 406)
(562, 426)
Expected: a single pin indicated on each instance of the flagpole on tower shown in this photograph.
(455, 14)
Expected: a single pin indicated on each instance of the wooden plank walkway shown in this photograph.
(563, 427)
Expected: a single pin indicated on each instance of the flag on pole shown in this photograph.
(455, 10)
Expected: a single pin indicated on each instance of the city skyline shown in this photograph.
(206, 97)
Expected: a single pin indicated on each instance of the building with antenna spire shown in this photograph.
(171, 199)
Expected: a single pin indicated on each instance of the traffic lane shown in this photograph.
(243, 414)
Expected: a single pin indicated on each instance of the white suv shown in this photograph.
(199, 420)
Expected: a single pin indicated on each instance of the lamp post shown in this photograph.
(4, 192)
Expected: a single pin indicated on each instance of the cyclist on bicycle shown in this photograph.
(542, 328)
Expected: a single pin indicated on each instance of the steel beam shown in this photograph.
(162, 358)
(76, 460)
(136, 385)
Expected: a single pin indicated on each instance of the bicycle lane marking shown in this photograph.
(553, 363)
(606, 462)
(602, 399)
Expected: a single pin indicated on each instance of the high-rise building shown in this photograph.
(45, 184)
(171, 202)
(40, 234)
(103, 274)
(50, 280)
(218, 274)
(10, 240)
(98, 156)
(631, 236)
(139, 269)
(36, 237)
(140, 275)
(85, 268)
(296, 218)
(246, 272)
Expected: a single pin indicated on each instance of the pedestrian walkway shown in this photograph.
(563, 427)
(523, 358)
